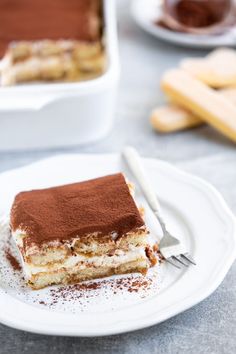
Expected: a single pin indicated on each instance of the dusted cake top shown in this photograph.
(43, 19)
(102, 205)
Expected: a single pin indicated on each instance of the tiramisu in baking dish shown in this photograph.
(80, 231)
(56, 40)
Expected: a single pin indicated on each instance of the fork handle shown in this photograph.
(133, 160)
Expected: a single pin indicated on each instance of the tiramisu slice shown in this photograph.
(80, 231)
(45, 40)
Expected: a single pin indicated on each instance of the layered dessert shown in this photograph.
(80, 231)
(57, 40)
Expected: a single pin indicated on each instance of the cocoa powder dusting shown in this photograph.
(12, 260)
(42, 302)
(62, 19)
(102, 205)
(87, 290)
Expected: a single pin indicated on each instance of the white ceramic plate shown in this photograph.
(147, 12)
(194, 211)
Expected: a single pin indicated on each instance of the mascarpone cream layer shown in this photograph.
(82, 261)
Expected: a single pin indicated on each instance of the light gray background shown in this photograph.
(209, 327)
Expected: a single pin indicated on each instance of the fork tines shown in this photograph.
(182, 259)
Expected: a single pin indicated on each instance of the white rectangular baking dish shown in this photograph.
(62, 114)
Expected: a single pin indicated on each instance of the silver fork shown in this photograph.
(170, 247)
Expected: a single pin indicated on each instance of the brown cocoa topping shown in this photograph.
(102, 205)
(12, 260)
(42, 19)
(87, 290)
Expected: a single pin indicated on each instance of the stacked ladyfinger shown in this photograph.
(201, 90)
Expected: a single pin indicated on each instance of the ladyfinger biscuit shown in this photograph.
(171, 118)
(229, 93)
(217, 70)
(204, 102)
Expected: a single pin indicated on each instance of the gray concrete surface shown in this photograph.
(209, 327)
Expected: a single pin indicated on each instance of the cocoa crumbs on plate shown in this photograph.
(12, 260)
(87, 290)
